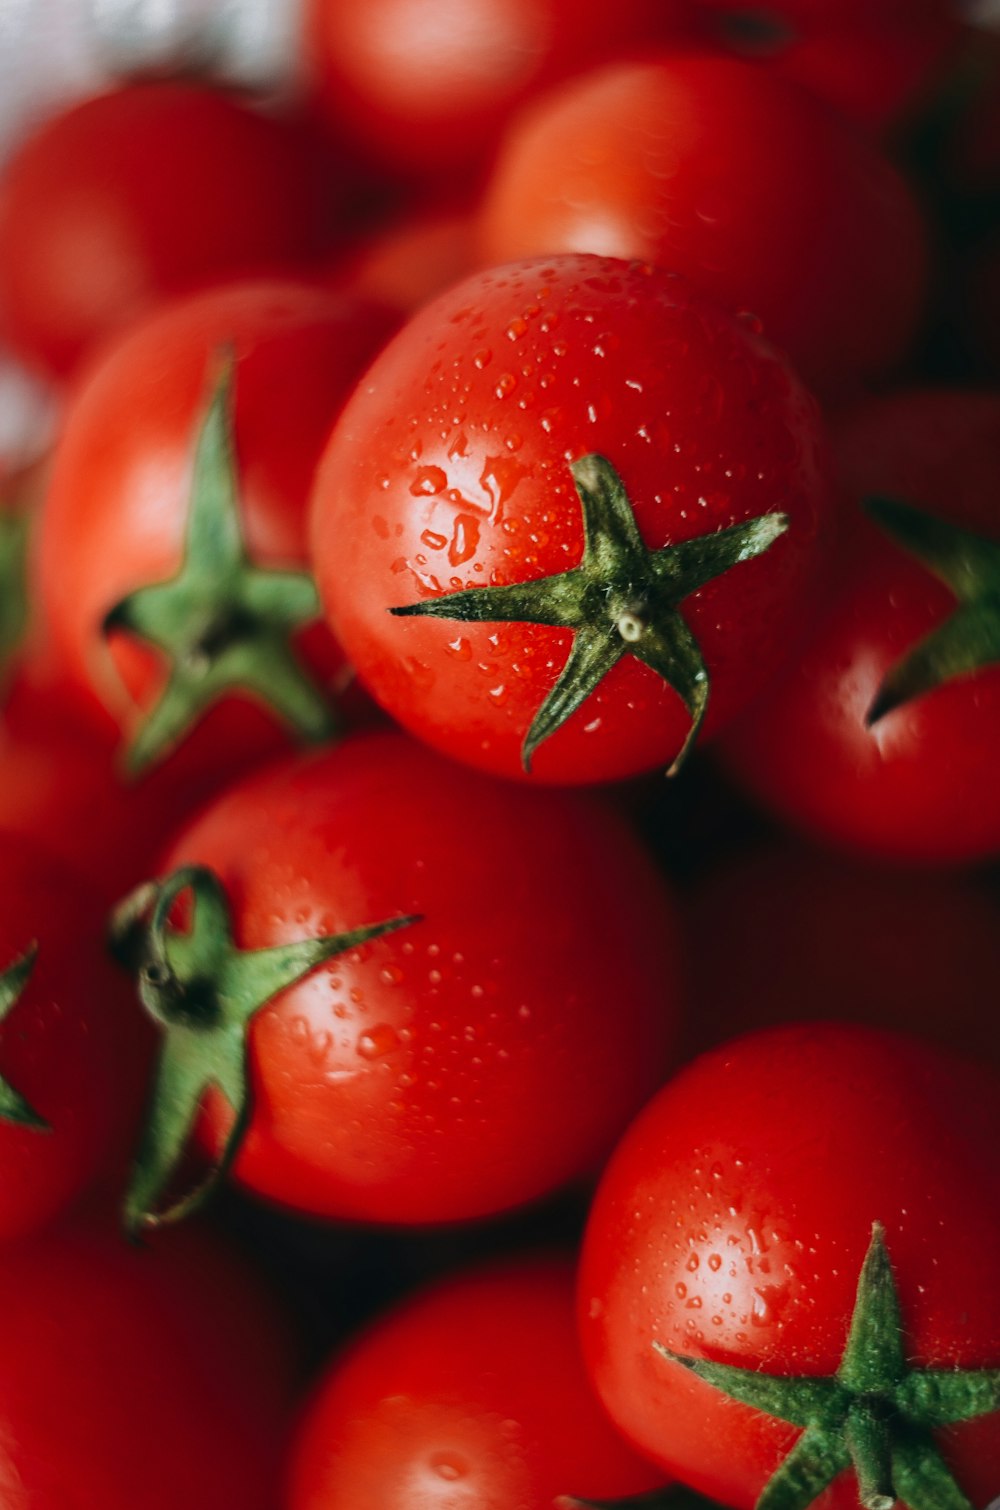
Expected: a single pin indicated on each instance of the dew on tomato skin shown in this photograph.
(375, 1042)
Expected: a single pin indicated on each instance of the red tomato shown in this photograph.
(425, 86)
(808, 935)
(437, 1405)
(72, 1044)
(168, 473)
(480, 1056)
(918, 785)
(138, 194)
(131, 1378)
(453, 468)
(409, 261)
(732, 1227)
(744, 183)
(869, 58)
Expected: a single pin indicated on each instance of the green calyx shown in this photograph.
(876, 1414)
(622, 599)
(967, 641)
(222, 623)
(203, 992)
(13, 1107)
(13, 596)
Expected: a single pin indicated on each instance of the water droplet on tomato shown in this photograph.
(377, 1041)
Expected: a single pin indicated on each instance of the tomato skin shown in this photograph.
(912, 951)
(424, 87)
(743, 182)
(119, 499)
(168, 1373)
(919, 785)
(143, 193)
(871, 61)
(469, 1393)
(447, 1070)
(476, 409)
(733, 1220)
(73, 1044)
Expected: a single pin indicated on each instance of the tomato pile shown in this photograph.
(499, 658)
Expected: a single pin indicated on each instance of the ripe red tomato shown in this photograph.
(131, 1378)
(506, 414)
(488, 1050)
(872, 59)
(72, 1044)
(425, 86)
(918, 784)
(142, 193)
(743, 182)
(734, 1226)
(177, 511)
(470, 1393)
(893, 949)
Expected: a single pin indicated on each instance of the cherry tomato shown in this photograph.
(532, 477)
(177, 511)
(485, 1050)
(915, 784)
(72, 1045)
(741, 181)
(872, 59)
(811, 935)
(142, 193)
(816, 1202)
(470, 1393)
(131, 1378)
(424, 87)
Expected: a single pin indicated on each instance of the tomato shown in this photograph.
(503, 1000)
(915, 784)
(142, 193)
(741, 181)
(71, 1042)
(788, 1188)
(469, 1393)
(177, 510)
(131, 1378)
(411, 259)
(457, 484)
(917, 952)
(871, 60)
(424, 87)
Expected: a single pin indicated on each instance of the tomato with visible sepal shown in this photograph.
(880, 739)
(571, 515)
(788, 1276)
(177, 511)
(392, 990)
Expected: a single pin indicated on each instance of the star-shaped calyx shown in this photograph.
(13, 1106)
(203, 992)
(622, 599)
(969, 639)
(222, 622)
(876, 1414)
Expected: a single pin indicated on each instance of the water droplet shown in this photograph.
(432, 540)
(715, 1262)
(680, 1290)
(505, 385)
(448, 1465)
(428, 481)
(374, 1042)
(482, 358)
(692, 1263)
